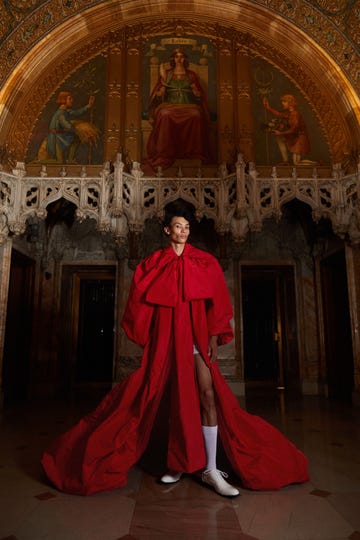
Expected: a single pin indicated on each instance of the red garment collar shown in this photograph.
(189, 275)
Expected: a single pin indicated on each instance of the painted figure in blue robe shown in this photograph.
(67, 130)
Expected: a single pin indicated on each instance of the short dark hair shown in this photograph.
(178, 208)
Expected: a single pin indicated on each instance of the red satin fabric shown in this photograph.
(173, 302)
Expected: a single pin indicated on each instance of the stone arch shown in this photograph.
(244, 27)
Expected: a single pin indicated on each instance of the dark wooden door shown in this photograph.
(269, 326)
(259, 316)
(18, 330)
(87, 325)
(94, 358)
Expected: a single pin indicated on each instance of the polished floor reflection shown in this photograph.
(327, 508)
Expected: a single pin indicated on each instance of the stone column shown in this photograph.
(127, 354)
(45, 342)
(323, 384)
(5, 264)
(352, 254)
(308, 327)
(235, 378)
(230, 354)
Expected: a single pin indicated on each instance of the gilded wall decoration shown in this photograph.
(332, 24)
(70, 128)
(299, 81)
(179, 100)
(226, 91)
(28, 114)
(113, 133)
(286, 129)
(114, 89)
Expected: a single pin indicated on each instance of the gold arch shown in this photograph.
(334, 28)
(248, 28)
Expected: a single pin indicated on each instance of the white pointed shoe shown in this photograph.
(215, 478)
(171, 477)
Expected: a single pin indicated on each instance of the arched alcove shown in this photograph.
(245, 28)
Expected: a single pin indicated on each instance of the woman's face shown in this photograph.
(179, 58)
(178, 231)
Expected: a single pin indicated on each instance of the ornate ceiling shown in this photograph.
(333, 24)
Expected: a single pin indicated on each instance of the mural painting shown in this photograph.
(69, 130)
(179, 113)
(290, 130)
(287, 132)
(176, 104)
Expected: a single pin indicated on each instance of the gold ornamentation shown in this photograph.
(243, 92)
(131, 133)
(115, 90)
(226, 91)
(113, 133)
(18, 32)
(132, 89)
(27, 113)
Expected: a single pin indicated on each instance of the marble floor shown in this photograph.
(326, 508)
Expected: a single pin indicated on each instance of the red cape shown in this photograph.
(173, 301)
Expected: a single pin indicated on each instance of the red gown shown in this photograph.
(173, 302)
(181, 126)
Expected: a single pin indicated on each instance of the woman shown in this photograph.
(179, 115)
(179, 311)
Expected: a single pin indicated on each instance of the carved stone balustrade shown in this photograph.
(120, 202)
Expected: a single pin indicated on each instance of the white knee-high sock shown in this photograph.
(210, 440)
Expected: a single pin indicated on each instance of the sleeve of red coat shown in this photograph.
(219, 309)
(137, 317)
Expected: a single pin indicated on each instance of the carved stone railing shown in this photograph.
(120, 202)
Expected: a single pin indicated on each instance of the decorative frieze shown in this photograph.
(237, 203)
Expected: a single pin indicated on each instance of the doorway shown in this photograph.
(18, 330)
(270, 343)
(88, 300)
(337, 327)
(95, 326)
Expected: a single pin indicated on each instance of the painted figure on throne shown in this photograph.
(179, 115)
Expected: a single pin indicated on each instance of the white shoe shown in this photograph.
(215, 478)
(171, 477)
